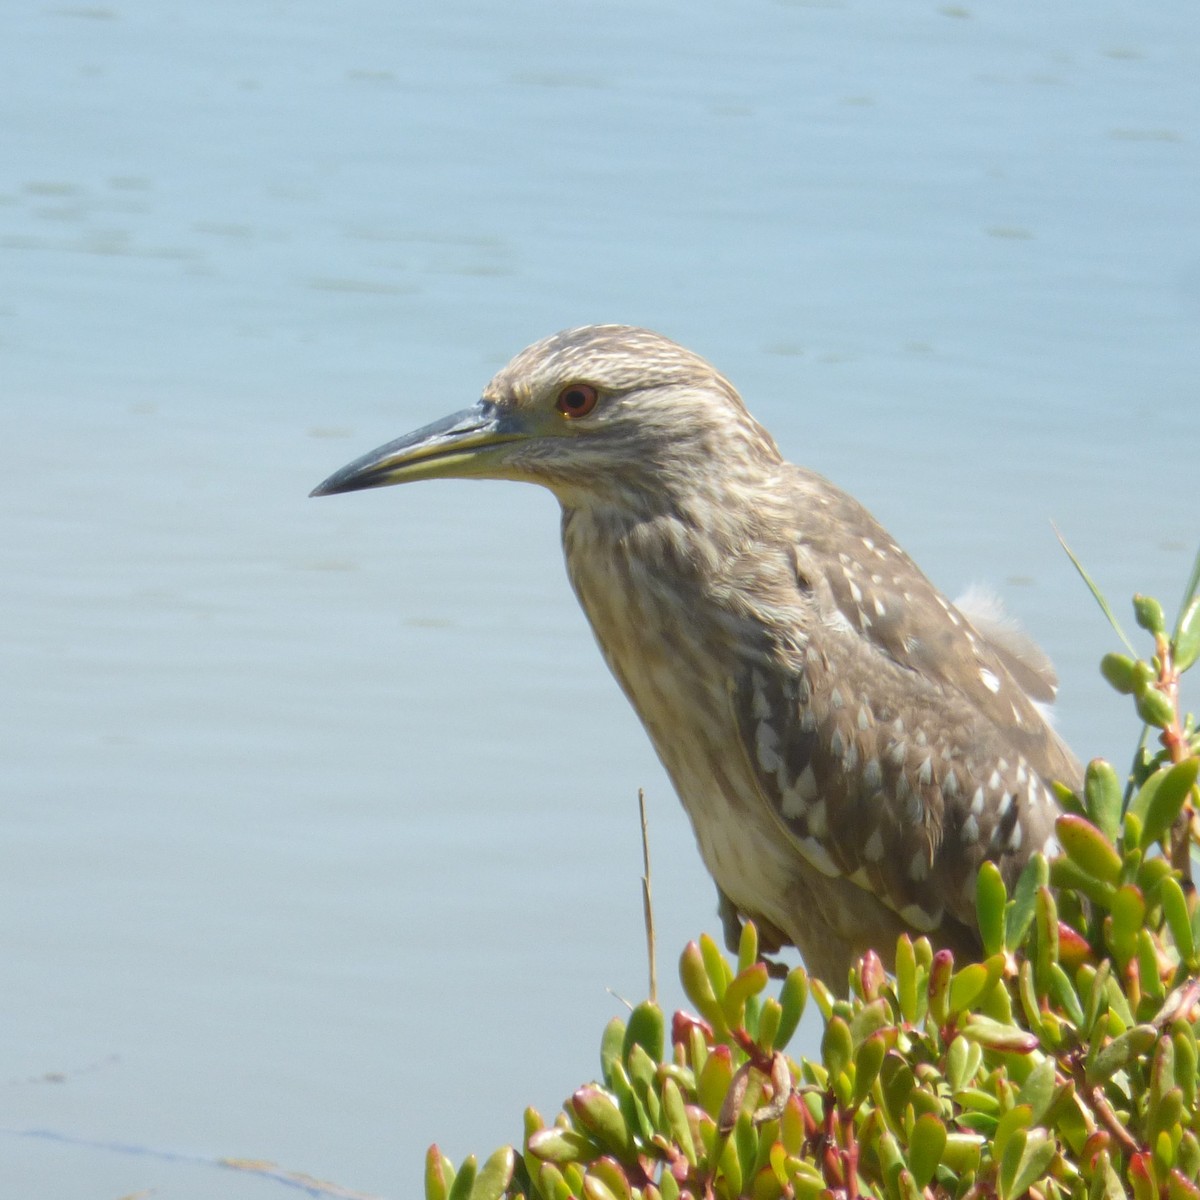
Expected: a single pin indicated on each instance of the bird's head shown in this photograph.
(595, 412)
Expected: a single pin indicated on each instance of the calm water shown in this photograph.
(319, 824)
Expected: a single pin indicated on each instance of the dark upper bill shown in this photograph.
(454, 446)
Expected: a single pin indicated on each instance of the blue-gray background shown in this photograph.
(318, 834)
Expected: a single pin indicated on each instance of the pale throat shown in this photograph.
(660, 641)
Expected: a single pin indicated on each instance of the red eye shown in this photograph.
(577, 400)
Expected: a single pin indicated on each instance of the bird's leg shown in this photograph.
(731, 922)
(731, 930)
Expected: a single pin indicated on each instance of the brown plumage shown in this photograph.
(848, 744)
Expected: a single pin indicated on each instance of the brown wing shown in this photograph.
(884, 596)
(893, 741)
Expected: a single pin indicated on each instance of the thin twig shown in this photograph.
(1094, 1098)
(1105, 607)
(647, 899)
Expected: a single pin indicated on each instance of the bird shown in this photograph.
(849, 745)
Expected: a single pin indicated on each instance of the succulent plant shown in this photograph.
(1064, 1063)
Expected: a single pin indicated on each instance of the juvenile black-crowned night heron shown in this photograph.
(848, 744)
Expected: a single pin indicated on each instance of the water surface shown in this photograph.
(319, 817)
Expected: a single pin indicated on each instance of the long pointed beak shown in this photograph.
(458, 445)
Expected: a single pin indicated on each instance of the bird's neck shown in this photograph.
(670, 536)
(718, 559)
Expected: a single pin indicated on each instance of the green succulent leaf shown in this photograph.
(1163, 805)
(1047, 940)
(971, 985)
(1149, 614)
(791, 1125)
(1120, 1052)
(1012, 1123)
(1030, 1003)
(1131, 827)
(1119, 1007)
(1184, 1040)
(898, 1082)
(1166, 1132)
(1179, 920)
(600, 1115)
(939, 986)
(741, 988)
(769, 1017)
(493, 1178)
(1023, 905)
(995, 1036)
(637, 1118)
(719, 972)
(1181, 1187)
(867, 1063)
(678, 1126)
(1106, 1183)
(612, 1044)
(1103, 796)
(1148, 968)
(730, 1166)
(1063, 990)
(747, 946)
(793, 997)
(745, 1140)
(560, 1146)
(1027, 1159)
(643, 1070)
(925, 1147)
(1141, 1176)
(439, 1174)
(1120, 671)
(974, 1059)
(646, 1028)
(1038, 1089)
(1127, 915)
(1088, 847)
(870, 1018)
(963, 1152)
(596, 1188)
(806, 1180)
(991, 897)
(1154, 708)
(1066, 874)
(908, 1186)
(1162, 1075)
(822, 997)
(907, 984)
(891, 1157)
(837, 1047)
(1150, 875)
(612, 1175)
(697, 984)
(551, 1183)
(712, 1086)
(464, 1180)
(956, 1063)
(983, 1124)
